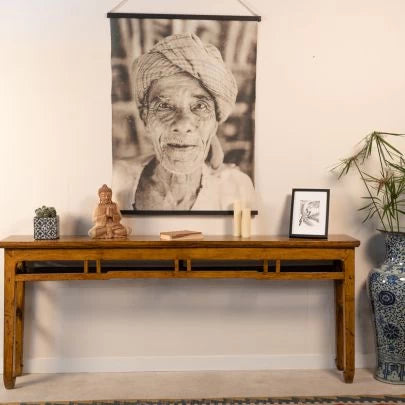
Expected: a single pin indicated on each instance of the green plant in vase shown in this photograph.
(385, 200)
(385, 197)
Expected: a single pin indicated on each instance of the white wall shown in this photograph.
(329, 72)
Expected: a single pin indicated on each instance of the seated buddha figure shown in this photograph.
(107, 217)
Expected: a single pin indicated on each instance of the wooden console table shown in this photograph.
(258, 257)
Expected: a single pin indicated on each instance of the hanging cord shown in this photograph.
(121, 3)
(248, 8)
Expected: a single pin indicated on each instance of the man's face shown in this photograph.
(181, 120)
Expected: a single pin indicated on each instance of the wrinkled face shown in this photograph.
(105, 197)
(181, 120)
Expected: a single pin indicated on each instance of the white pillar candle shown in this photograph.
(246, 222)
(237, 218)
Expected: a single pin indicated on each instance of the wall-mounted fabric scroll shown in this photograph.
(183, 105)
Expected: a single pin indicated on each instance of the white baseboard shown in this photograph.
(186, 363)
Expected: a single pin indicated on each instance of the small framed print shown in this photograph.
(309, 213)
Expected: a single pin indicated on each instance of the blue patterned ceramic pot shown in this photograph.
(46, 228)
(386, 287)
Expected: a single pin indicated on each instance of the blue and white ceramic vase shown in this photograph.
(386, 287)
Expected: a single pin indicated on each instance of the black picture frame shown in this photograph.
(309, 215)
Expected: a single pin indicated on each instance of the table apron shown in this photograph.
(179, 253)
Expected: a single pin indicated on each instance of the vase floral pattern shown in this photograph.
(386, 288)
(46, 228)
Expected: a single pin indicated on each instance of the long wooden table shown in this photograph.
(258, 257)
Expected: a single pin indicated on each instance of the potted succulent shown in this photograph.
(46, 223)
(385, 200)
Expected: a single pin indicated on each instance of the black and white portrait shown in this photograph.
(183, 102)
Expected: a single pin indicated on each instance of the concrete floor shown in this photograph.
(211, 384)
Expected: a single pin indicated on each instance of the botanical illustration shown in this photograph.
(309, 212)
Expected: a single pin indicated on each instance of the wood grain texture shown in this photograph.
(19, 327)
(278, 266)
(349, 318)
(331, 259)
(9, 320)
(265, 266)
(339, 299)
(83, 242)
(172, 253)
(119, 274)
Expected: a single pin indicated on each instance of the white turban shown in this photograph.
(186, 53)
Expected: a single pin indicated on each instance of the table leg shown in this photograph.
(9, 320)
(349, 317)
(19, 327)
(339, 299)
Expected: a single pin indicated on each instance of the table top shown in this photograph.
(144, 241)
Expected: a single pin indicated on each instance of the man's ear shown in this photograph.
(215, 155)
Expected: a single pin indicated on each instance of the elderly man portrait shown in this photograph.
(184, 91)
